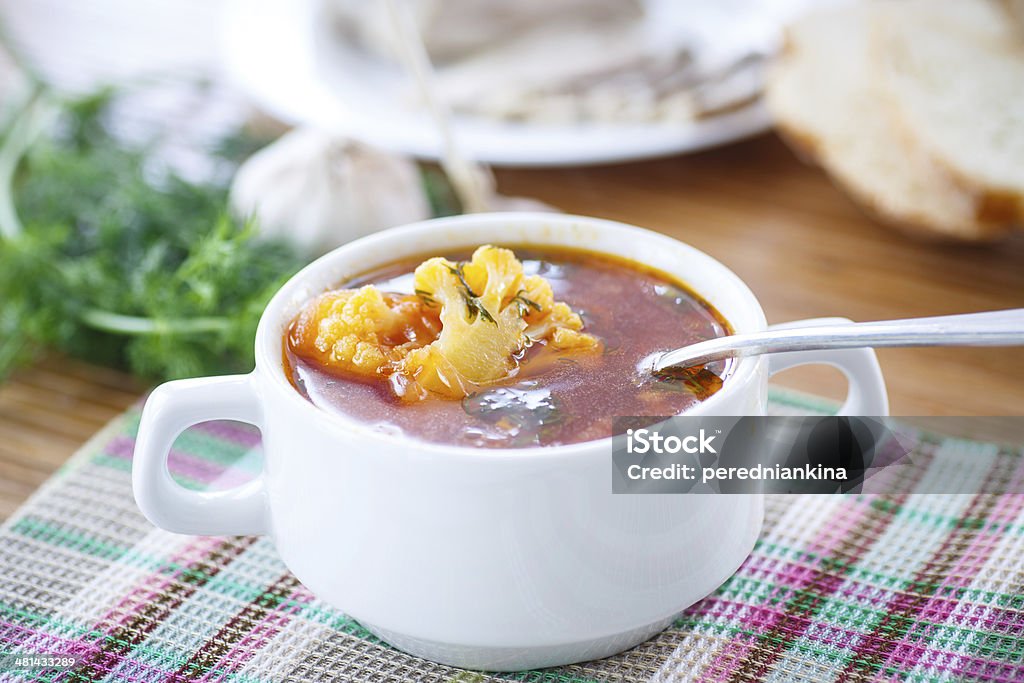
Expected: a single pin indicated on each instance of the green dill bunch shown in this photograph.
(109, 255)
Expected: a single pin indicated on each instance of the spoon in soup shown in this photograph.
(992, 328)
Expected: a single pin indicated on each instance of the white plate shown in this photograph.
(270, 53)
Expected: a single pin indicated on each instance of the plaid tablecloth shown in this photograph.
(852, 588)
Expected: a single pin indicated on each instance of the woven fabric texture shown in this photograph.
(839, 588)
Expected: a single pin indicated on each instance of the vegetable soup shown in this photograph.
(534, 346)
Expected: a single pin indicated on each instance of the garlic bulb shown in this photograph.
(320, 191)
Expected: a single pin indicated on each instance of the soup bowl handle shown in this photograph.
(867, 394)
(169, 410)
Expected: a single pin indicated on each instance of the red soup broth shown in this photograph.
(554, 397)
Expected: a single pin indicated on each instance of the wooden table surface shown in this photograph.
(804, 249)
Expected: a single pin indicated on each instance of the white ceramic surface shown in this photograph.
(498, 560)
(270, 52)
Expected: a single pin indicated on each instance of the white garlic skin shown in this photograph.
(319, 191)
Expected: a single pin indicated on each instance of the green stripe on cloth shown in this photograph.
(244, 618)
(787, 398)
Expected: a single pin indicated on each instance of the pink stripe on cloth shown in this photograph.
(136, 599)
(1008, 624)
(834, 635)
(184, 464)
(791, 579)
(41, 641)
(830, 635)
(945, 600)
(155, 584)
(51, 644)
(878, 647)
(130, 623)
(238, 433)
(272, 623)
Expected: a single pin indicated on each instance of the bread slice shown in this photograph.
(1015, 8)
(826, 97)
(955, 73)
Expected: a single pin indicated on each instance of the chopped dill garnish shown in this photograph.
(425, 296)
(472, 299)
(524, 303)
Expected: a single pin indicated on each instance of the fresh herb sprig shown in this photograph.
(474, 307)
(524, 303)
(107, 256)
(426, 297)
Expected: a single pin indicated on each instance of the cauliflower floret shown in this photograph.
(554, 320)
(481, 331)
(359, 331)
(467, 326)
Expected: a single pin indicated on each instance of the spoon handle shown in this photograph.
(993, 328)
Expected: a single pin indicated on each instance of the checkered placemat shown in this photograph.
(851, 588)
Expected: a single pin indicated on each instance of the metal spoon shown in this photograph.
(994, 328)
